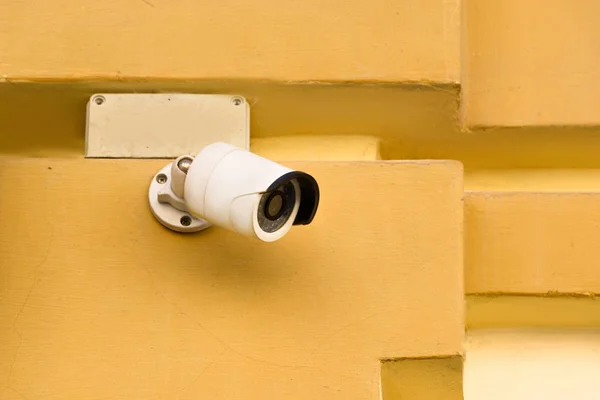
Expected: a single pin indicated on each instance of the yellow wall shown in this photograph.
(96, 299)
(99, 300)
(532, 364)
(338, 40)
(530, 63)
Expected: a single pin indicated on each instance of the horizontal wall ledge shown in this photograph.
(318, 148)
(538, 180)
(484, 311)
(411, 120)
(525, 242)
(48, 118)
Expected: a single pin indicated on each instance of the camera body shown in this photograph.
(237, 190)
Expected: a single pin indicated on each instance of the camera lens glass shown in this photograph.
(275, 207)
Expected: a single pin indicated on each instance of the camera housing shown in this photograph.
(235, 189)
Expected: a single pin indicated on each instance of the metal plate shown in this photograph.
(163, 125)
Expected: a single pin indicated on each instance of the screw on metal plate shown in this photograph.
(99, 100)
(237, 101)
(161, 178)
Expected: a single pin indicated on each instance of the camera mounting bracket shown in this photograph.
(166, 198)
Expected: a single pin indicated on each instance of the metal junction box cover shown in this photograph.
(163, 125)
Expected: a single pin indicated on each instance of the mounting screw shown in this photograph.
(237, 101)
(184, 164)
(186, 220)
(161, 178)
(99, 100)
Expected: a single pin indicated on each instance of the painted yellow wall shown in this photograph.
(508, 88)
(530, 63)
(528, 95)
(428, 378)
(525, 364)
(400, 116)
(527, 242)
(318, 148)
(537, 310)
(336, 40)
(99, 300)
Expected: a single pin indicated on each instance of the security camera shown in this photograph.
(230, 187)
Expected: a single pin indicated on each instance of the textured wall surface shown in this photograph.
(531, 63)
(311, 40)
(99, 300)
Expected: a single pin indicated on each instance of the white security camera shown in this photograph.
(235, 189)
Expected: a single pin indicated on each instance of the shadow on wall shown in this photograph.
(49, 118)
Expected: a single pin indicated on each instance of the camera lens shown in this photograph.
(275, 207)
